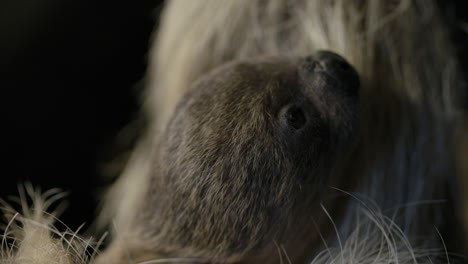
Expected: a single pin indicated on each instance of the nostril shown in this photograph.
(325, 61)
(332, 61)
(311, 64)
(326, 65)
(336, 64)
(342, 65)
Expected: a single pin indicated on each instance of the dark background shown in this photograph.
(69, 75)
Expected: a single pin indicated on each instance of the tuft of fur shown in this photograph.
(30, 236)
(377, 238)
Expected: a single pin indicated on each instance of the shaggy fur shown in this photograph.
(404, 153)
(400, 154)
(30, 236)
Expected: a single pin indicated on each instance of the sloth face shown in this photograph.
(247, 153)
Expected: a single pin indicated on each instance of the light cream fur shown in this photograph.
(30, 235)
(389, 44)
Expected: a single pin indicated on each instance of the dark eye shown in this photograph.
(293, 116)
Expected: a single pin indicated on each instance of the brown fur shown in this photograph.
(231, 176)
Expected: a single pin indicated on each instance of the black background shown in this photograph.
(69, 74)
(68, 82)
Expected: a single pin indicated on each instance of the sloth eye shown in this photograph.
(293, 116)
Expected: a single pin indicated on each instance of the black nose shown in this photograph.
(336, 66)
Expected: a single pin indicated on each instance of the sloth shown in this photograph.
(246, 154)
(262, 139)
(297, 131)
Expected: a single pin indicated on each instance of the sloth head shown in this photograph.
(247, 154)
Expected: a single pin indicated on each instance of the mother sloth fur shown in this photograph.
(292, 131)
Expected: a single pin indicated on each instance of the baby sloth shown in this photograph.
(246, 157)
(250, 143)
(256, 154)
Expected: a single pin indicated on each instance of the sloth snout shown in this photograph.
(335, 66)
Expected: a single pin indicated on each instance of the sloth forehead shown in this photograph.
(257, 84)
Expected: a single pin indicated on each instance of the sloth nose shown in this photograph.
(335, 66)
